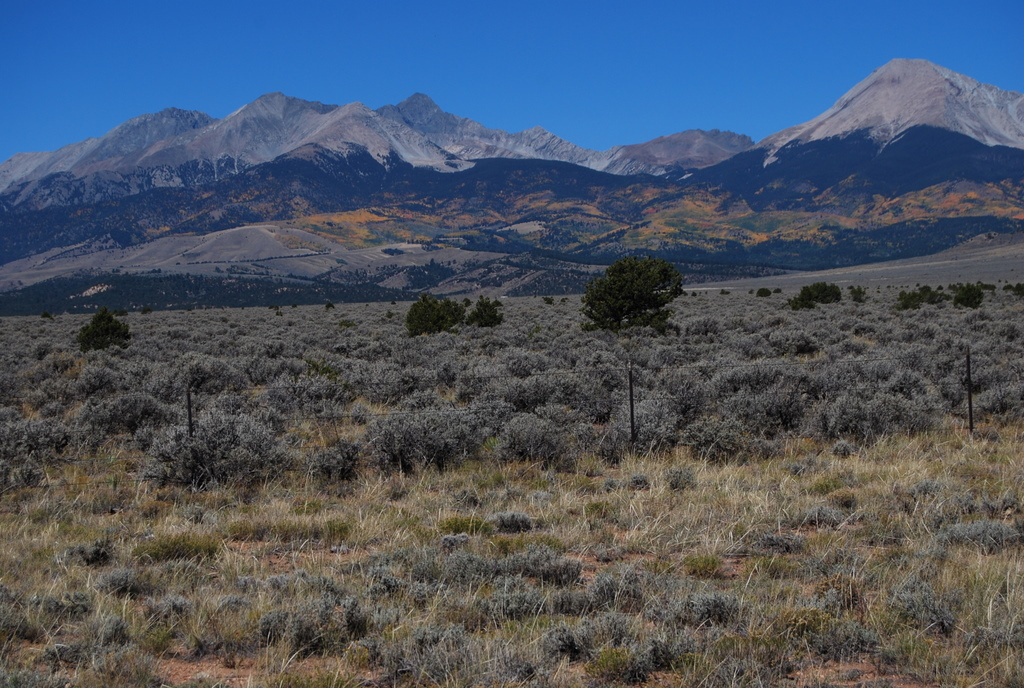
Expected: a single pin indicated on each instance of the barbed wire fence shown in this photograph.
(627, 374)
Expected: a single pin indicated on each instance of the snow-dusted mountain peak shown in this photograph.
(152, 149)
(905, 93)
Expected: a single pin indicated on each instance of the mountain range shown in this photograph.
(911, 160)
(184, 148)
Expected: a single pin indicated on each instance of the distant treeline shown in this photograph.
(177, 292)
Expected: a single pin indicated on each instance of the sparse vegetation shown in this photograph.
(352, 505)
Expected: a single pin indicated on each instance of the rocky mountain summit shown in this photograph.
(908, 93)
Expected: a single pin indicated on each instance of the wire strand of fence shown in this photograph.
(331, 407)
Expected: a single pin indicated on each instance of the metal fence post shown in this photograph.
(970, 394)
(188, 403)
(632, 411)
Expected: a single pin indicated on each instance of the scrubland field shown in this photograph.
(803, 504)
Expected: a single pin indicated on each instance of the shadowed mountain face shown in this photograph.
(856, 167)
(912, 160)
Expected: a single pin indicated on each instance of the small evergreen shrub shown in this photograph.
(812, 294)
(486, 313)
(968, 295)
(104, 330)
(912, 300)
(431, 315)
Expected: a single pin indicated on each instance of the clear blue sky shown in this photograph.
(596, 73)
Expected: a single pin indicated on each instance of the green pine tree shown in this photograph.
(634, 292)
(102, 331)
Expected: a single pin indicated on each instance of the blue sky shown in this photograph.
(596, 73)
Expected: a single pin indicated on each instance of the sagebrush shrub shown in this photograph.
(511, 522)
(123, 413)
(14, 620)
(439, 437)
(171, 607)
(822, 516)
(713, 439)
(867, 417)
(335, 463)
(572, 643)
(712, 607)
(844, 640)
(543, 563)
(654, 422)
(527, 437)
(40, 441)
(110, 630)
(680, 478)
(779, 543)
(513, 599)
(125, 581)
(990, 536)
(225, 448)
(623, 588)
(916, 600)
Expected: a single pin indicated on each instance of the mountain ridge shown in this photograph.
(895, 97)
(904, 164)
(416, 130)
